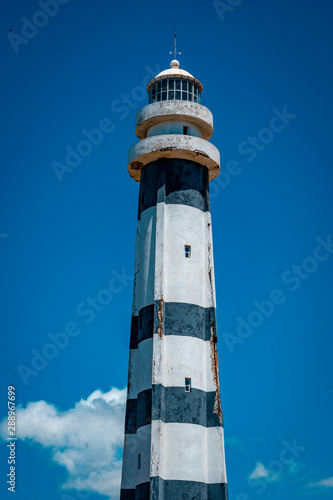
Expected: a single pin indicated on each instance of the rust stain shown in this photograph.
(213, 342)
(136, 165)
(201, 153)
(215, 370)
(160, 317)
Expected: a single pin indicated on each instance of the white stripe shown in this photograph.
(187, 278)
(133, 445)
(177, 357)
(187, 452)
(161, 236)
(140, 368)
(161, 265)
(145, 272)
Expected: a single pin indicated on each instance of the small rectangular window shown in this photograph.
(141, 321)
(139, 461)
(187, 251)
(143, 198)
(187, 385)
(185, 130)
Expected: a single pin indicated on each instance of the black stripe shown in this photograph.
(134, 332)
(166, 489)
(189, 320)
(146, 323)
(141, 492)
(186, 490)
(144, 408)
(174, 405)
(128, 494)
(174, 181)
(131, 416)
(178, 319)
(171, 405)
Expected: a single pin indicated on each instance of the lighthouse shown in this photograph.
(174, 435)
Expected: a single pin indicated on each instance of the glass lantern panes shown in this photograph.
(171, 89)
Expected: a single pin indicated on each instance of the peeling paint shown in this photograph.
(160, 317)
(136, 277)
(215, 370)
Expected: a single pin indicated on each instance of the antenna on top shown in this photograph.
(175, 48)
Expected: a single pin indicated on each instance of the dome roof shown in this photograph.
(176, 72)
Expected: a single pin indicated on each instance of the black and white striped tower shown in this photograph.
(174, 444)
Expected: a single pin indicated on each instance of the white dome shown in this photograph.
(174, 71)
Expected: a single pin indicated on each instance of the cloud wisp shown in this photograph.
(259, 472)
(87, 440)
(323, 484)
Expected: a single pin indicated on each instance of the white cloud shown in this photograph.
(259, 472)
(87, 439)
(324, 483)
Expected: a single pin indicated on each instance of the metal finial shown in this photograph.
(175, 48)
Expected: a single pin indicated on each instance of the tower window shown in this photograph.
(185, 130)
(187, 385)
(139, 461)
(143, 198)
(141, 321)
(187, 251)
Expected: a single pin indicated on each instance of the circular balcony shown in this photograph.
(173, 146)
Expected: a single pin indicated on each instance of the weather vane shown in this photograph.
(175, 48)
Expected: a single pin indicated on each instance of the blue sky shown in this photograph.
(267, 76)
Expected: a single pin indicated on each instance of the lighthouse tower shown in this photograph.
(174, 444)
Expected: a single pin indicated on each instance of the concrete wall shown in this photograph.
(174, 127)
(179, 435)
